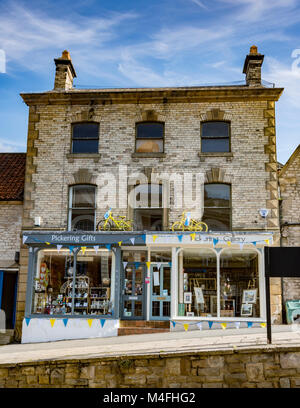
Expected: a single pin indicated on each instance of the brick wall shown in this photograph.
(10, 229)
(255, 368)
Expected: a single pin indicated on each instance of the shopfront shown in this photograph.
(80, 285)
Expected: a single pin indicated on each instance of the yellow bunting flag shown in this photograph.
(186, 326)
(90, 322)
(228, 243)
(120, 243)
(52, 321)
(193, 236)
(223, 325)
(263, 324)
(267, 241)
(83, 249)
(148, 264)
(154, 237)
(47, 243)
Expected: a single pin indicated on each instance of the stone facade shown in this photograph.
(10, 230)
(250, 167)
(289, 181)
(249, 368)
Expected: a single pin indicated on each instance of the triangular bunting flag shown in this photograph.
(90, 322)
(65, 322)
(210, 324)
(237, 325)
(136, 264)
(170, 263)
(241, 246)
(83, 249)
(199, 325)
(263, 324)
(223, 325)
(47, 243)
(250, 325)
(215, 241)
(143, 237)
(96, 248)
(154, 237)
(71, 248)
(132, 240)
(25, 238)
(174, 323)
(125, 264)
(254, 243)
(267, 241)
(52, 321)
(186, 326)
(148, 264)
(120, 243)
(229, 243)
(193, 236)
(158, 265)
(59, 247)
(102, 321)
(108, 246)
(27, 320)
(179, 238)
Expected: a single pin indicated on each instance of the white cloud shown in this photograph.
(10, 147)
(199, 3)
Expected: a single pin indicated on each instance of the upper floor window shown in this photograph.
(217, 206)
(85, 137)
(148, 207)
(215, 137)
(149, 137)
(82, 207)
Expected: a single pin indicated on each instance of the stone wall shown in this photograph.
(253, 368)
(10, 229)
(289, 181)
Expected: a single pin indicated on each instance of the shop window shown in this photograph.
(239, 283)
(161, 255)
(149, 137)
(148, 211)
(82, 207)
(85, 137)
(197, 283)
(217, 207)
(215, 137)
(88, 292)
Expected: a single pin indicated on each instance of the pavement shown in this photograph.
(150, 344)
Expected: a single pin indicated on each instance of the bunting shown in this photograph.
(174, 323)
(263, 325)
(24, 238)
(27, 320)
(223, 325)
(186, 326)
(124, 265)
(210, 324)
(52, 321)
(249, 324)
(179, 238)
(96, 248)
(65, 322)
(193, 236)
(199, 325)
(137, 264)
(237, 325)
(148, 264)
(215, 241)
(132, 240)
(108, 246)
(120, 243)
(154, 237)
(102, 321)
(83, 249)
(90, 322)
(59, 247)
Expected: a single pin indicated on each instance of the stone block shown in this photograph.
(290, 360)
(255, 372)
(173, 367)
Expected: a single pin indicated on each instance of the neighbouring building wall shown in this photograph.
(10, 230)
(289, 179)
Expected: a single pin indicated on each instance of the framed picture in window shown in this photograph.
(190, 314)
(249, 296)
(187, 297)
(199, 295)
(246, 309)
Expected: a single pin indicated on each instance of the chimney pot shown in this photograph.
(253, 49)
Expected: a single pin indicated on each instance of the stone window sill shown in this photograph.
(94, 156)
(228, 155)
(146, 155)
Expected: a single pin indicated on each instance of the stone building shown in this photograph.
(147, 154)
(289, 183)
(12, 177)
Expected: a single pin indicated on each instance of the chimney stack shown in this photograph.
(65, 72)
(252, 67)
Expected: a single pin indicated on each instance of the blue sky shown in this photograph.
(127, 43)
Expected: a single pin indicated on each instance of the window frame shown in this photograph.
(158, 138)
(82, 139)
(71, 208)
(215, 138)
(230, 206)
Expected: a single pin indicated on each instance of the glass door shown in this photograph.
(133, 292)
(160, 305)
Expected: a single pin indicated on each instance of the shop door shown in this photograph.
(160, 305)
(8, 296)
(133, 292)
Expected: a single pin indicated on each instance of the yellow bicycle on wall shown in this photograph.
(109, 223)
(186, 223)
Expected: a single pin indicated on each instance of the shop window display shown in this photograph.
(239, 283)
(197, 283)
(58, 292)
